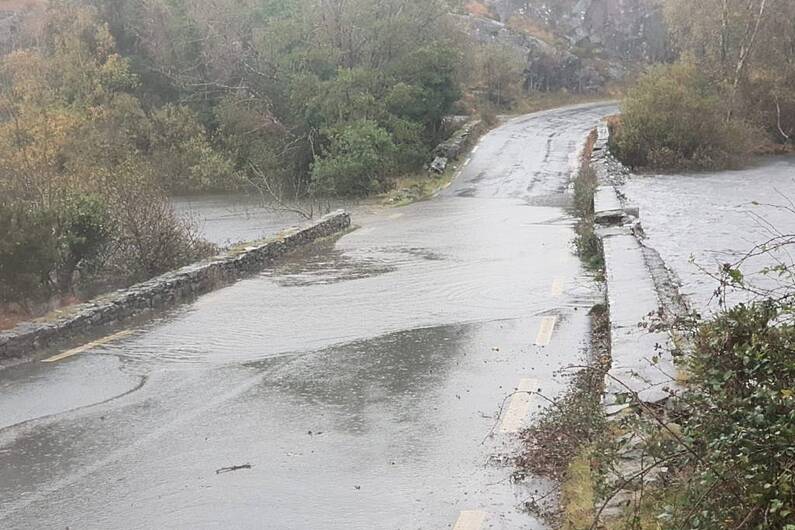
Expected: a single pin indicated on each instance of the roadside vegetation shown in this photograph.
(109, 108)
(718, 454)
(82, 163)
(587, 243)
(729, 95)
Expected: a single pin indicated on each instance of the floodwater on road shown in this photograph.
(364, 382)
(700, 221)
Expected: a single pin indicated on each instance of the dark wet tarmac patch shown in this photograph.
(477, 178)
(334, 265)
(556, 200)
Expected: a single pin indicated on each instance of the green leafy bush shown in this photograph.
(741, 422)
(86, 229)
(356, 162)
(674, 118)
(28, 250)
(45, 246)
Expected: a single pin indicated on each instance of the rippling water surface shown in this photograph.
(233, 217)
(700, 221)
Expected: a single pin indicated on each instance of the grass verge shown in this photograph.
(586, 242)
(423, 185)
(419, 186)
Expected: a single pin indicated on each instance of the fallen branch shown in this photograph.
(232, 468)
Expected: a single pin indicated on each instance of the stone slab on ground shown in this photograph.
(606, 200)
(639, 364)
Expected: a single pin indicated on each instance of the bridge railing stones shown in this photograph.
(641, 291)
(641, 364)
(165, 290)
(453, 147)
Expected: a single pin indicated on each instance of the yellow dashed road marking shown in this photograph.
(545, 331)
(515, 417)
(470, 520)
(395, 216)
(557, 287)
(86, 347)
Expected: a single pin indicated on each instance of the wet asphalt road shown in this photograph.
(360, 379)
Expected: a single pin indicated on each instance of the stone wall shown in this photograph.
(458, 142)
(456, 145)
(166, 290)
(641, 355)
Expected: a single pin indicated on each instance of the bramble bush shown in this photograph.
(740, 422)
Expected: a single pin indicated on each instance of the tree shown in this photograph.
(357, 160)
(501, 70)
(746, 47)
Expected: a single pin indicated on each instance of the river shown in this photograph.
(699, 221)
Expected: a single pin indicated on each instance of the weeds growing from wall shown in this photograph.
(587, 243)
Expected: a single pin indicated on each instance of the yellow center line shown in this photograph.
(86, 347)
(557, 287)
(395, 216)
(545, 331)
(470, 520)
(519, 407)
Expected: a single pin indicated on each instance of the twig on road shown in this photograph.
(232, 468)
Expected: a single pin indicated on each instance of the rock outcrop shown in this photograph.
(579, 45)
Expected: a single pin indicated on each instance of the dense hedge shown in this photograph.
(674, 118)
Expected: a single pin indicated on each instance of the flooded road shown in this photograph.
(697, 222)
(357, 385)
